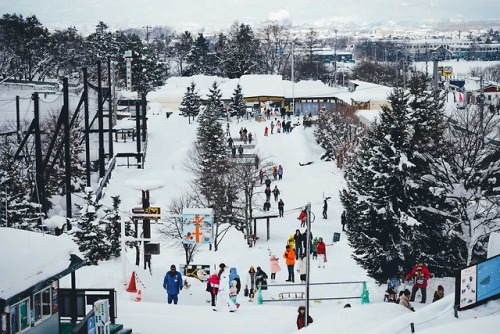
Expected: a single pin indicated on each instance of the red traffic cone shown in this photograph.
(139, 296)
(131, 285)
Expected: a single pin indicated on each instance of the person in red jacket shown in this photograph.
(302, 218)
(420, 274)
(301, 318)
(321, 251)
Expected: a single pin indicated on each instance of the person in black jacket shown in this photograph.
(261, 279)
(281, 207)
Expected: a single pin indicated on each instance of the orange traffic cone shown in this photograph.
(131, 285)
(139, 296)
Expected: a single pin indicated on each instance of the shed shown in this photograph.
(32, 264)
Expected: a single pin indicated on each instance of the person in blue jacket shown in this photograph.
(173, 284)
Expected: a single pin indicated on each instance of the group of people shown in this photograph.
(420, 275)
(277, 171)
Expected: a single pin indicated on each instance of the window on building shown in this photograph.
(20, 316)
(42, 304)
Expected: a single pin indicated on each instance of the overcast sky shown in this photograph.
(219, 14)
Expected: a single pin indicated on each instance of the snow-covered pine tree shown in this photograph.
(393, 216)
(238, 102)
(428, 145)
(190, 105)
(112, 227)
(89, 234)
(211, 160)
(16, 188)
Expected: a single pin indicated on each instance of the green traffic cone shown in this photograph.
(260, 300)
(365, 295)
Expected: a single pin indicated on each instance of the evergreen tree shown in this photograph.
(211, 160)
(112, 229)
(89, 234)
(241, 48)
(19, 209)
(199, 56)
(238, 102)
(394, 217)
(190, 105)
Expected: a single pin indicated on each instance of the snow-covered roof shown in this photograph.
(29, 258)
(368, 117)
(365, 91)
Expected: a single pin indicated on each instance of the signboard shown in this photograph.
(478, 283)
(446, 71)
(336, 236)
(101, 314)
(147, 211)
(199, 271)
(128, 61)
(151, 248)
(197, 226)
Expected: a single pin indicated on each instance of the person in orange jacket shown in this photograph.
(289, 255)
(420, 274)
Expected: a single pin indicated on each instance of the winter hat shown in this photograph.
(172, 267)
(420, 260)
(251, 268)
(222, 266)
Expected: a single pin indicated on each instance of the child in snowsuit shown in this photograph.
(302, 268)
(275, 266)
(233, 293)
(301, 318)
